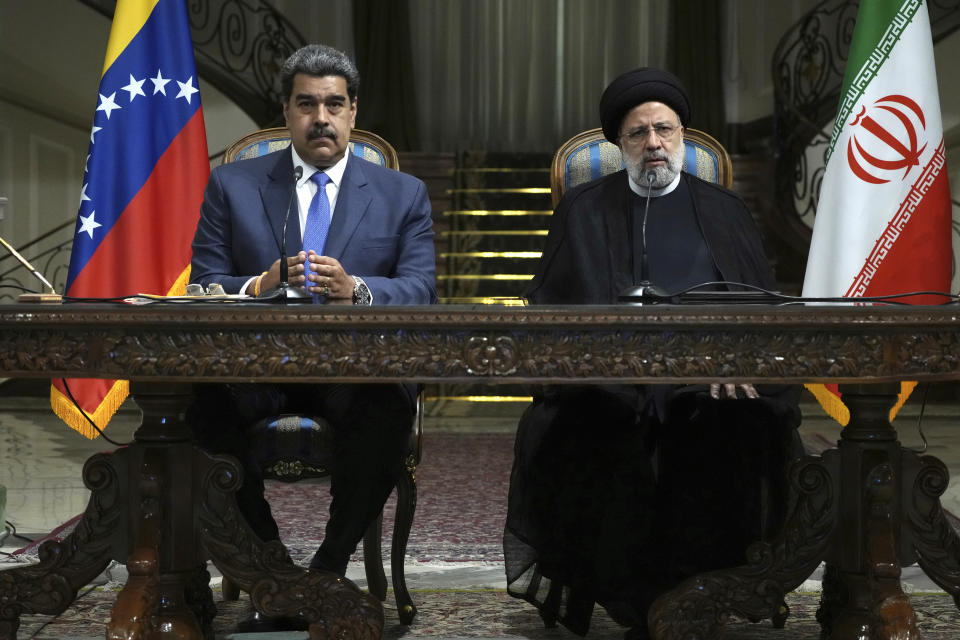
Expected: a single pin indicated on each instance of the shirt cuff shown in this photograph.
(246, 285)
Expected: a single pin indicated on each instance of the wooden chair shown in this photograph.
(588, 156)
(291, 448)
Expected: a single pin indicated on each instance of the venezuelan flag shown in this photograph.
(143, 181)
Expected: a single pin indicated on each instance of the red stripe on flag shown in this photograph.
(921, 257)
(914, 252)
(149, 245)
(145, 252)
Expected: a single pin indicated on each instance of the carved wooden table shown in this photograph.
(163, 507)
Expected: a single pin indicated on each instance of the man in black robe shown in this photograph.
(619, 492)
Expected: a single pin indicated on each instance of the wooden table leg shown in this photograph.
(51, 585)
(334, 606)
(164, 507)
(203, 522)
(934, 540)
(866, 508)
(862, 596)
(700, 606)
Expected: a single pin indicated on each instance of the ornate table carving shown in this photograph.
(470, 344)
(166, 494)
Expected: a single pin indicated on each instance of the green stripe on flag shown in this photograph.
(880, 23)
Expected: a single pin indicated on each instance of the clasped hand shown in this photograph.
(322, 275)
(730, 390)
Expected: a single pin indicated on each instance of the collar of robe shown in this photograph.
(654, 193)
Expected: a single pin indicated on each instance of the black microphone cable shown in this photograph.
(76, 404)
(893, 298)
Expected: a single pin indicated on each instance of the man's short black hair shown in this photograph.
(319, 60)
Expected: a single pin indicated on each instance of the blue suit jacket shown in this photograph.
(381, 231)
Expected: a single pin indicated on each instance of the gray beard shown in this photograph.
(662, 175)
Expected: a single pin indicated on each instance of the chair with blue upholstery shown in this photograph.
(588, 156)
(294, 447)
(363, 144)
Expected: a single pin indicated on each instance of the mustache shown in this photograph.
(321, 132)
(655, 155)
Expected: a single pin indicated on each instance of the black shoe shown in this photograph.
(321, 560)
(259, 623)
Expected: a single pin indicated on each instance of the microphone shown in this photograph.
(644, 263)
(50, 296)
(283, 291)
(644, 291)
(284, 275)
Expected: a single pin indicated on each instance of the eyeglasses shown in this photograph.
(640, 134)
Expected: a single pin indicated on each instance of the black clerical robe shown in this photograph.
(618, 492)
(588, 257)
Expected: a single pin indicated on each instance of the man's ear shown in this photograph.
(284, 106)
(353, 114)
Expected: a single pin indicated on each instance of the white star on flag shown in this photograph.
(135, 88)
(107, 104)
(88, 224)
(159, 83)
(83, 193)
(86, 163)
(93, 131)
(186, 89)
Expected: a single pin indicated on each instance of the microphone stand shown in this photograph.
(283, 292)
(644, 291)
(51, 296)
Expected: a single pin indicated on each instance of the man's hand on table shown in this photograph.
(732, 391)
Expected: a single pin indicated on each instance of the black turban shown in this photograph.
(636, 87)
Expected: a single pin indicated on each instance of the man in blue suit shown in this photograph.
(364, 237)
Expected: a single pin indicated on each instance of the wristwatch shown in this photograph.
(361, 292)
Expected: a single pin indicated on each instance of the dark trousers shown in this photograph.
(371, 425)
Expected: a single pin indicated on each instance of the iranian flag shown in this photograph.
(883, 218)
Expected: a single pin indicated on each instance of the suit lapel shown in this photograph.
(275, 195)
(352, 204)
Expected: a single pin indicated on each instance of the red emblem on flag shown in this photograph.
(893, 140)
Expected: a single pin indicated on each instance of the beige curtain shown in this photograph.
(523, 74)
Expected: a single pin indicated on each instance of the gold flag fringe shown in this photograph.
(64, 408)
(834, 407)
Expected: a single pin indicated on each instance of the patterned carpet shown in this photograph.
(460, 516)
(482, 614)
(461, 503)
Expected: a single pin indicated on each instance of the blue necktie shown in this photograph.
(318, 219)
